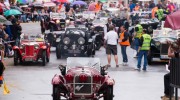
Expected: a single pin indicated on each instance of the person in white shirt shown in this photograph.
(110, 43)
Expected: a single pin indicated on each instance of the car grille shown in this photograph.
(82, 88)
(29, 50)
(164, 49)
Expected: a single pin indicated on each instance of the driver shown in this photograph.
(26, 36)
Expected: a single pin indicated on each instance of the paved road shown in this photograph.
(33, 82)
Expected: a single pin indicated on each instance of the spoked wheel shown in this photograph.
(56, 93)
(16, 58)
(108, 95)
(44, 58)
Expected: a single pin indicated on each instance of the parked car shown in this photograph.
(159, 46)
(75, 41)
(32, 48)
(82, 79)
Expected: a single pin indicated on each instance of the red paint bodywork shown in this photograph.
(99, 81)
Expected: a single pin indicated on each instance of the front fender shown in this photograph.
(58, 79)
(108, 80)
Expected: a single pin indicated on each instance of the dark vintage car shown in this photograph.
(97, 31)
(32, 48)
(82, 79)
(149, 24)
(76, 41)
(159, 46)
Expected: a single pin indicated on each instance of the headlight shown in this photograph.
(67, 21)
(66, 40)
(57, 21)
(36, 46)
(54, 35)
(81, 40)
(58, 40)
(21, 46)
(157, 43)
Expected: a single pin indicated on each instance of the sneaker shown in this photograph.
(138, 69)
(144, 69)
(117, 65)
(125, 64)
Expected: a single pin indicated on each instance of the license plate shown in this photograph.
(28, 59)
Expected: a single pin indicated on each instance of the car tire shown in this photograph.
(149, 58)
(108, 95)
(43, 58)
(16, 58)
(98, 46)
(58, 52)
(47, 58)
(56, 93)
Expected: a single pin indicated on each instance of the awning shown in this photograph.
(49, 4)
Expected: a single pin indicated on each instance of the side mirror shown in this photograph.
(62, 69)
(103, 70)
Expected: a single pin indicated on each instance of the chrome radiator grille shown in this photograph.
(84, 88)
(164, 49)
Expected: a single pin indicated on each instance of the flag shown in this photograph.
(6, 90)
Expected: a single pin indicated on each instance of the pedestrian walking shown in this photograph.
(2, 68)
(124, 42)
(110, 44)
(143, 49)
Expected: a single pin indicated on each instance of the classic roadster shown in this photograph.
(75, 41)
(82, 79)
(159, 47)
(32, 48)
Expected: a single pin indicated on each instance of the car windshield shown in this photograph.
(165, 33)
(73, 62)
(88, 14)
(99, 21)
(32, 37)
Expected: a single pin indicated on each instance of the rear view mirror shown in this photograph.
(62, 69)
(103, 70)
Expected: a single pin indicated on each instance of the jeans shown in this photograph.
(124, 55)
(140, 55)
(136, 42)
(167, 87)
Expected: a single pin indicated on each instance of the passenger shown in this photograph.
(110, 44)
(143, 49)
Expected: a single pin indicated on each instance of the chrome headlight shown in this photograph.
(58, 40)
(36, 46)
(157, 43)
(67, 21)
(66, 40)
(21, 46)
(81, 40)
(54, 35)
(57, 21)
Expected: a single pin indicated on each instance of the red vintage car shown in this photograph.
(82, 79)
(32, 48)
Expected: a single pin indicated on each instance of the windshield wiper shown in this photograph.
(95, 64)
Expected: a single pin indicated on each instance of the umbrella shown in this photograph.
(2, 5)
(103, 0)
(49, 4)
(172, 21)
(12, 12)
(79, 3)
(92, 7)
(37, 4)
(62, 1)
(2, 19)
(17, 8)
